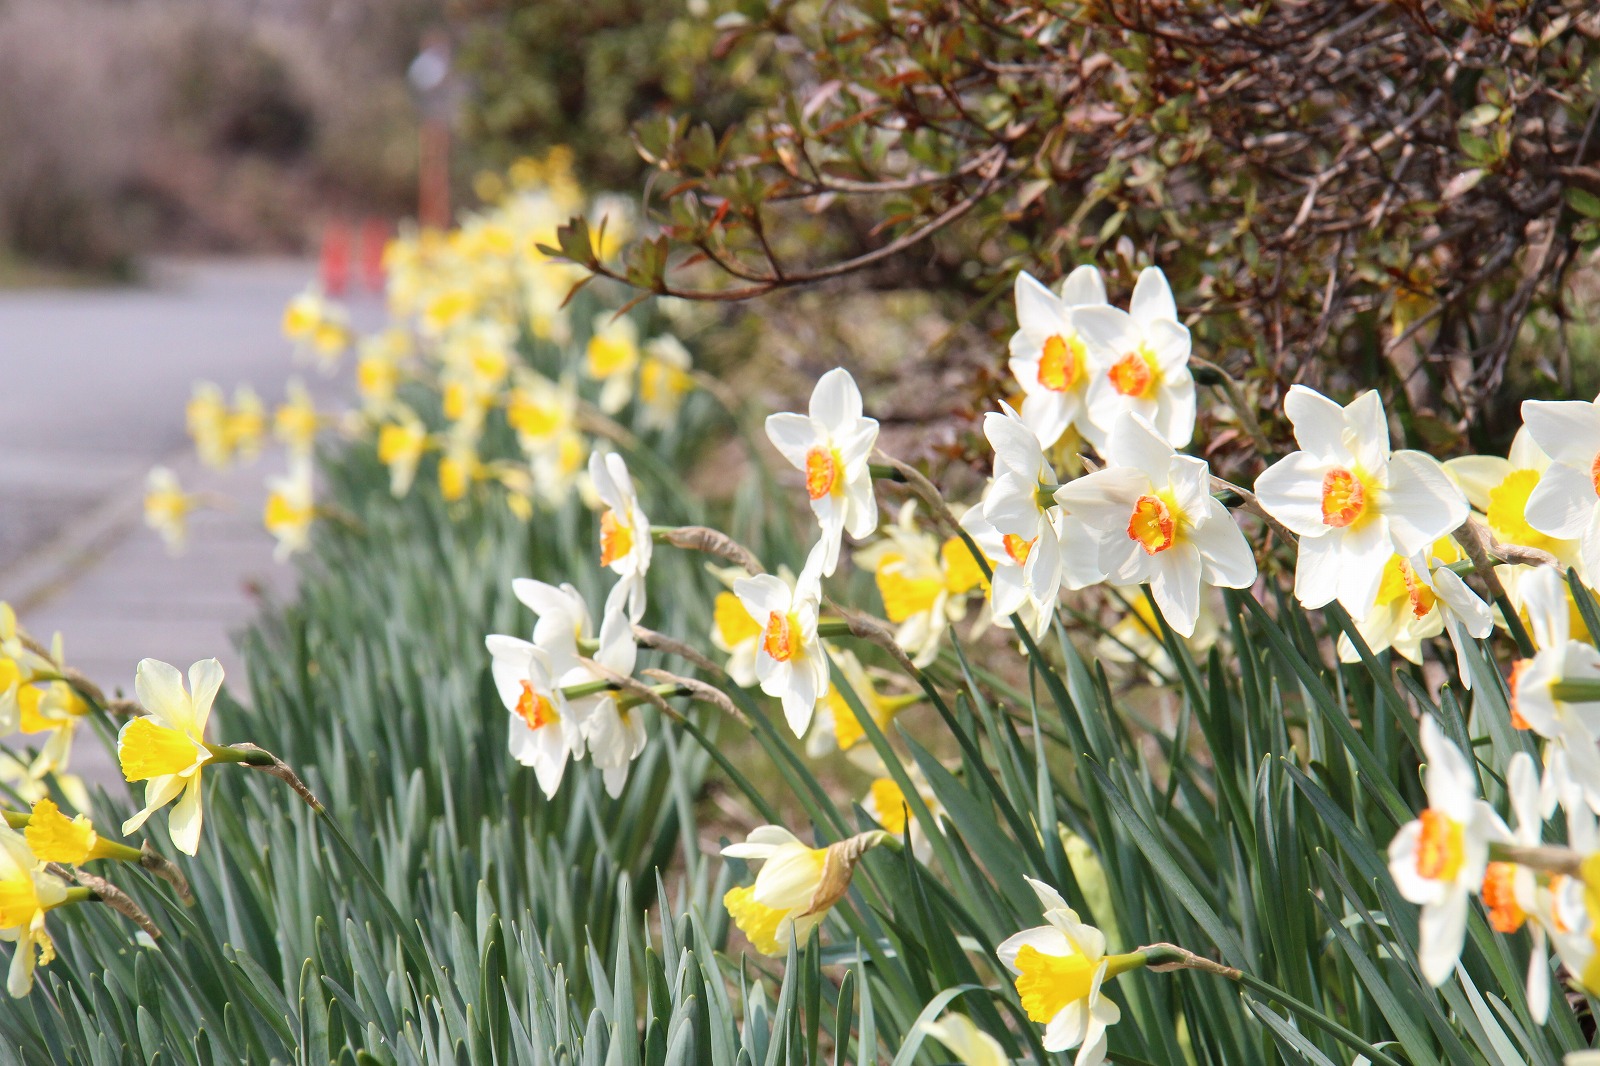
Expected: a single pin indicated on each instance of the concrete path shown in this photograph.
(95, 387)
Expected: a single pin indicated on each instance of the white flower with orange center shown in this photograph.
(1566, 502)
(791, 664)
(1048, 357)
(1153, 520)
(1352, 502)
(924, 582)
(1573, 725)
(166, 747)
(831, 445)
(1061, 967)
(1014, 589)
(544, 734)
(1138, 362)
(1440, 859)
(625, 543)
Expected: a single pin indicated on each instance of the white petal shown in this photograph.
(1045, 939)
(763, 595)
(794, 436)
(1152, 298)
(1443, 928)
(1291, 492)
(1319, 424)
(1562, 504)
(1317, 570)
(205, 681)
(183, 824)
(836, 401)
(1038, 310)
(1228, 560)
(1422, 503)
(1177, 587)
(1567, 430)
(160, 690)
(1135, 442)
(1083, 286)
(1478, 475)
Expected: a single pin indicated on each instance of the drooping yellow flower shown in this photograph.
(53, 837)
(167, 507)
(924, 582)
(26, 894)
(795, 887)
(166, 748)
(836, 724)
(400, 447)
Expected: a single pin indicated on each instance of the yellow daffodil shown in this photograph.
(611, 359)
(207, 419)
(290, 509)
(924, 582)
(167, 507)
(400, 447)
(296, 421)
(166, 747)
(26, 894)
(1061, 967)
(53, 837)
(1136, 637)
(795, 886)
(834, 724)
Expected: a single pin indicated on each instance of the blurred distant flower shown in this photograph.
(290, 508)
(167, 507)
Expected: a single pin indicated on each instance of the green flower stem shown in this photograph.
(587, 688)
(111, 849)
(1553, 860)
(1162, 958)
(833, 627)
(79, 894)
(885, 472)
(1576, 690)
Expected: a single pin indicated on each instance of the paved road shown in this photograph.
(95, 383)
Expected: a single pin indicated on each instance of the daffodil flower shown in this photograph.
(611, 358)
(612, 726)
(664, 380)
(247, 423)
(50, 705)
(290, 509)
(737, 634)
(26, 894)
(316, 324)
(1566, 502)
(1500, 490)
(53, 837)
(1153, 520)
(1352, 502)
(544, 732)
(1061, 967)
(1440, 859)
(207, 419)
(1138, 363)
(1013, 590)
(625, 542)
(167, 507)
(296, 420)
(924, 583)
(166, 748)
(1049, 358)
(791, 665)
(794, 888)
(1416, 602)
(970, 1045)
(885, 802)
(1572, 725)
(401, 444)
(834, 725)
(831, 445)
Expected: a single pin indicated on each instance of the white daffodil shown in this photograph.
(27, 892)
(831, 445)
(1012, 591)
(1439, 860)
(1139, 363)
(1045, 535)
(970, 1045)
(1048, 357)
(612, 726)
(1572, 725)
(1566, 502)
(1510, 892)
(1352, 502)
(924, 582)
(792, 664)
(1154, 520)
(1060, 968)
(544, 732)
(166, 747)
(625, 542)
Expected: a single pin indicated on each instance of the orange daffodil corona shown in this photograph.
(791, 664)
(830, 445)
(625, 543)
(1352, 501)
